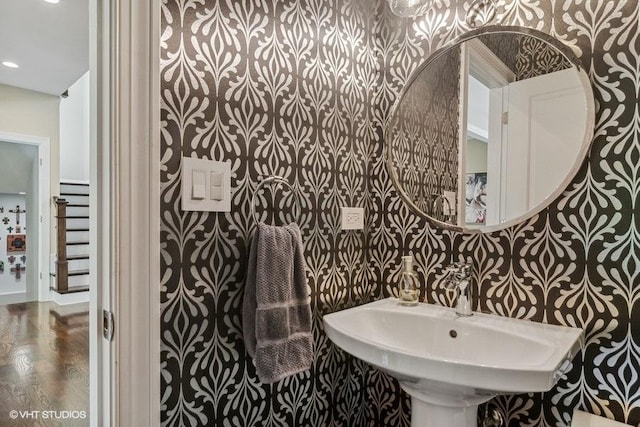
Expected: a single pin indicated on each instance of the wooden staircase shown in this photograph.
(72, 263)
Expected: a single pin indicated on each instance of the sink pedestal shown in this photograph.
(437, 408)
(424, 414)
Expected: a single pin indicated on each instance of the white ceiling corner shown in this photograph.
(50, 42)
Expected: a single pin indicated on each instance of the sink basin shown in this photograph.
(450, 364)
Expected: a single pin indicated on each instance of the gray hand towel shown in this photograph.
(276, 311)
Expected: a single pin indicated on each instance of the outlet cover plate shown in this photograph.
(352, 218)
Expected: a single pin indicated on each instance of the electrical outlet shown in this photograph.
(450, 208)
(352, 218)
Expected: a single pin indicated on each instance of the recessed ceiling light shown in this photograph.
(52, 1)
(10, 64)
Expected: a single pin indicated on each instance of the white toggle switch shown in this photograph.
(216, 193)
(198, 184)
(216, 179)
(216, 186)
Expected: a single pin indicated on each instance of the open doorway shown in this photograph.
(19, 195)
(24, 218)
(44, 123)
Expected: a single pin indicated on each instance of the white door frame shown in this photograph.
(125, 200)
(481, 63)
(44, 207)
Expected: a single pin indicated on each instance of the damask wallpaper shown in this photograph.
(536, 58)
(424, 131)
(302, 89)
(526, 56)
(275, 87)
(505, 48)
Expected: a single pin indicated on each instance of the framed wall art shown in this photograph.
(16, 243)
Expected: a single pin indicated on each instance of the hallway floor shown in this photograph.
(44, 365)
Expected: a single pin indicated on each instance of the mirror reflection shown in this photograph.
(489, 130)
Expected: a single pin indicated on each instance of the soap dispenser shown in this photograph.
(408, 292)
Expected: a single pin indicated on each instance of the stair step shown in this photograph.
(74, 257)
(72, 290)
(78, 211)
(77, 205)
(67, 188)
(77, 243)
(77, 223)
(75, 199)
(76, 263)
(74, 217)
(74, 194)
(78, 235)
(73, 250)
(73, 273)
(76, 280)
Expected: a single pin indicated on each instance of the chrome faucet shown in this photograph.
(459, 277)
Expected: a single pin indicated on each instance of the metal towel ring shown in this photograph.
(271, 180)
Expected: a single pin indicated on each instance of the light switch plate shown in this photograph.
(352, 218)
(209, 167)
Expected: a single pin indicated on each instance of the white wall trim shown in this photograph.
(101, 359)
(72, 298)
(44, 207)
(14, 298)
(135, 209)
(125, 204)
(486, 67)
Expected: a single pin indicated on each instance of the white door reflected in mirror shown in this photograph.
(522, 122)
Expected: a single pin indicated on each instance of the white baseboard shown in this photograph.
(73, 298)
(70, 309)
(14, 298)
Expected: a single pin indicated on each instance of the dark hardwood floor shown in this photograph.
(44, 365)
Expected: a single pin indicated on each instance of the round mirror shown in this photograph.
(490, 129)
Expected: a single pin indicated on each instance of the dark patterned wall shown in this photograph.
(526, 56)
(284, 87)
(294, 88)
(505, 48)
(424, 131)
(537, 58)
(578, 262)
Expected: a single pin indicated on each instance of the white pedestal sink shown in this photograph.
(450, 364)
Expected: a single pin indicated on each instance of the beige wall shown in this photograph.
(476, 156)
(36, 114)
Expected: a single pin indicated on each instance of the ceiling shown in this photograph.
(50, 42)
